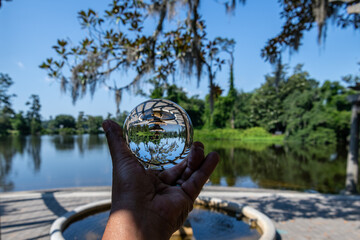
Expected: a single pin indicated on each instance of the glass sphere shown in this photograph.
(159, 133)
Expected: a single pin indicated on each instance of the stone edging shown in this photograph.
(62, 222)
(265, 224)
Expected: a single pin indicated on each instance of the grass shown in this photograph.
(255, 134)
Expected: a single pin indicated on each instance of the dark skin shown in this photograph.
(149, 204)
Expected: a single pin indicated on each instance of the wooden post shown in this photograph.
(352, 167)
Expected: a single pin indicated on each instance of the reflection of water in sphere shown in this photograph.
(159, 133)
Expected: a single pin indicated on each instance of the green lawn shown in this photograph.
(251, 134)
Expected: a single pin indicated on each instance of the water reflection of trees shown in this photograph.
(33, 147)
(95, 141)
(157, 147)
(159, 153)
(320, 168)
(63, 142)
(89, 142)
(9, 147)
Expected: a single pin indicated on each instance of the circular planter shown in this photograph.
(257, 218)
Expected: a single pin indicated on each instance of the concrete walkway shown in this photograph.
(29, 215)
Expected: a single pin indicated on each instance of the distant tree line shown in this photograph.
(30, 122)
(24, 123)
(295, 105)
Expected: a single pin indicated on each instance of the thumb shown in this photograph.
(120, 153)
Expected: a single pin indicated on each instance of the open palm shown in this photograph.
(157, 202)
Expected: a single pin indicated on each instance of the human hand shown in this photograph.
(148, 204)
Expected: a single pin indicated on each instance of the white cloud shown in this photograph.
(48, 79)
(107, 89)
(20, 64)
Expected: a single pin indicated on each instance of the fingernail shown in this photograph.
(199, 145)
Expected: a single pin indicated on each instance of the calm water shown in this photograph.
(67, 161)
(205, 223)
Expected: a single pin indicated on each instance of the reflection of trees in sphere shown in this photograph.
(159, 133)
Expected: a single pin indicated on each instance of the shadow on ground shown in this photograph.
(285, 209)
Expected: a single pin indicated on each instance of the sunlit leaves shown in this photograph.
(301, 16)
(116, 41)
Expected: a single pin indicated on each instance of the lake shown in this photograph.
(44, 162)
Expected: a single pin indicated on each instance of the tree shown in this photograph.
(81, 122)
(116, 42)
(301, 16)
(94, 123)
(33, 115)
(317, 114)
(64, 121)
(213, 64)
(120, 118)
(266, 102)
(224, 107)
(268, 108)
(20, 123)
(5, 0)
(193, 105)
(242, 110)
(6, 112)
(158, 90)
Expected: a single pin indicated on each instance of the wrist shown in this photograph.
(124, 224)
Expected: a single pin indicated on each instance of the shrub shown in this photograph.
(256, 132)
(66, 131)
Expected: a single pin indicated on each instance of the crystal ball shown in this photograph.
(159, 133)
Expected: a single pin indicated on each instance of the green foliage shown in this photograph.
(251, 134)
(94, 123)
(193, 105)
(222, 112)
(242, 110)
(64, 121)
(81, 123)
(121, 117)
(158, 90)
(294, 105)
(5, 84)
(297, 106)
(121, 42)
(319, 115)
(5, 125)
(33, 115)
(322, 136)
(289, 166)
(301, 16)
(6, 112)
(20, 124)
(67, 131)
(226, 133)
(256, 132)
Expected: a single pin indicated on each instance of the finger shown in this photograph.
(195, 159)
(194, 184)
(117, 145)
(169, 176)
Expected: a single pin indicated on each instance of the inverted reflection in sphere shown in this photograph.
(159, 133)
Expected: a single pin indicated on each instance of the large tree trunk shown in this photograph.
(352, 167)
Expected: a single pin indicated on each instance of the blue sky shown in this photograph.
(30, 28)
